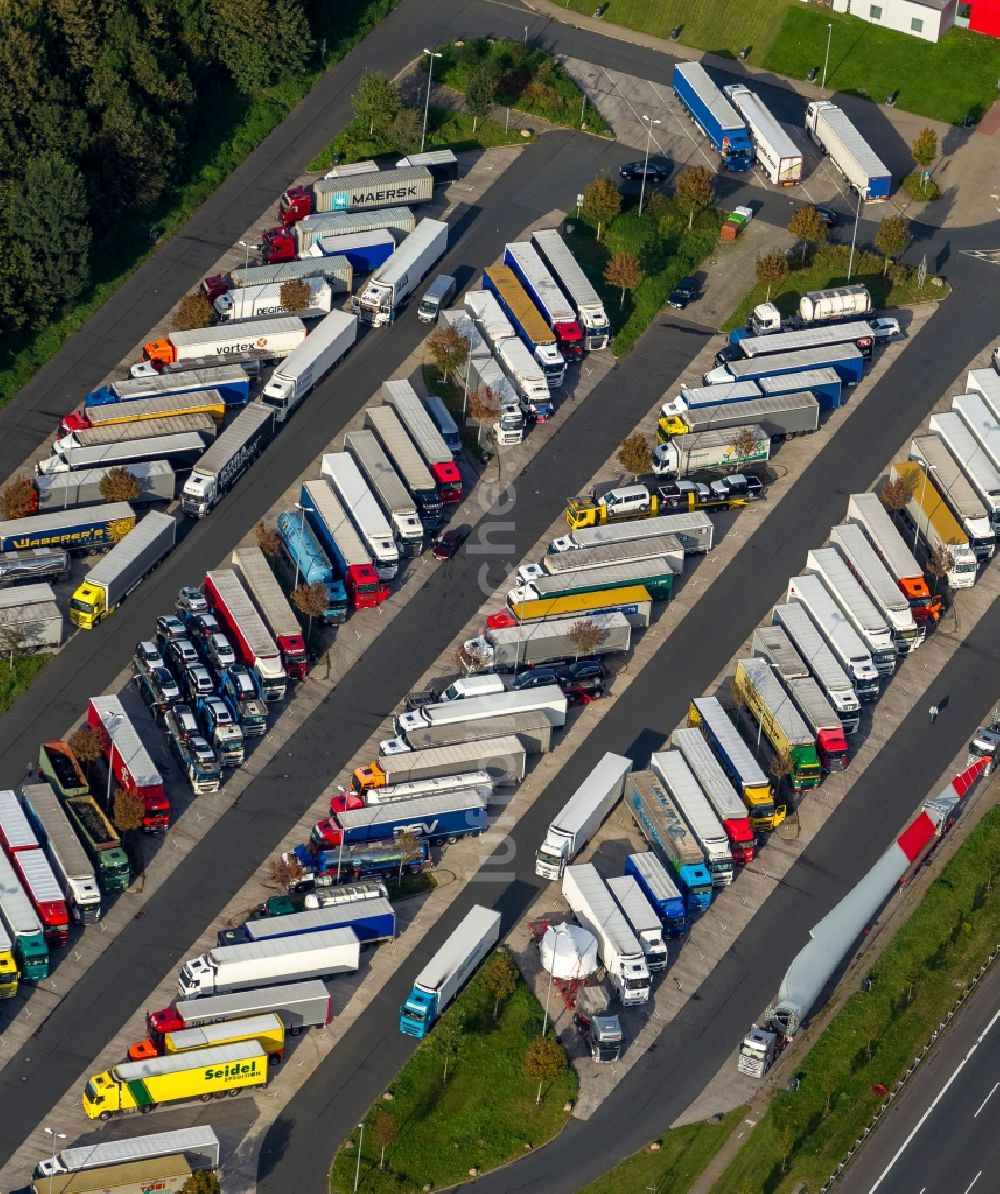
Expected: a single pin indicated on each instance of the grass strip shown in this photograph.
(16, 677)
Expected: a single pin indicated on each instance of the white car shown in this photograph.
(885, 329)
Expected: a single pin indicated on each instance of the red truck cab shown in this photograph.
(278, 244)
(295, 203)
(294, 656)
(156, 818)
(504, 620)
(569, 339)
(76, 420)
(158, 1024)
(448, 481)
(345, 802)
(325, 835)
(215, 286)
(831, 746)
(364, 588)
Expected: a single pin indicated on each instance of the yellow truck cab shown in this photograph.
(629, 501)
(9, 973)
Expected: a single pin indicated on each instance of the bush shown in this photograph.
(633, 234)
(914, 185)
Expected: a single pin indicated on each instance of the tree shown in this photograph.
(500, 979)
(925, 148)
(484, 405)
(127, 810)
(260, 41)
(88, 746)
(407, 130)
(891, 238)
(807, 226)
(15, 640)
(17, 498)
(449, 350)
(780, 766)
(635, 455)
(383, 1132)
(585, 635)
(745, 443)
(119, 485)
(624, 272)
(447, 1039)
(896, 493)
(295, 295)
(376, 103)
(311, 601)
(194, 311)
(480, 92)
(544, 1062)
(694, 191)
(771, 269)
(939, 563)
(602, 201)
(284, 871)
(268, 539)
(202, 1181)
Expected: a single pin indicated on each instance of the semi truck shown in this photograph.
(713, 451)
(979, 416)
(822, 720)
(440, 817)
(810, 645)
(31, 613)
(846, 361)
(977, 466)
(266, 1029)
(56, 836)
(579, 819)
(373, 920)
(506, 649)
(449, 970)
(230, 968)
(180, 451)
(340, 469)
(143, 1085)
(931, 520)
(129, 760)
(933, 454)
(678, 780)
(198, 1146)
(722, 796)
(656, 575)
(298, 1005)
(660, 822)
(774, 712)
(348, 864)
(23, 929)
(706, 105)
(594, 908)
(660, 890)
(401, 397)
(389, 491)
(306, 562)
(388, 288)
(143, 410)
(815, 307)
(526, 378)
(273, 607)
(305, 238)
(723, 393)
(267, 339)
(35, 564)
(9, 973)
(222, 730)
(258, 302)
(736, 759)
(577, 287)
(532, 729)
(605, 555)
(634, 602)
(299, 373)
(24, 851)
(780, 416)
(836, 136)
(694, 530)
(361, 192)
(255, 648)
(547, 698)
(335, 532)
(80, 532)
(336, 270)
(778, 155)
(143, 429)
(873, 629)
(641, 919)
(122, 570)
(479, 781)
(230, 381)
(362, 251)
(838, 632)
(502, 757)
(985, 383)
(863, 561)
(59, 491)
(522, 257)
(166, 1175)
(383, 423)
(867, 511)
(527, 321)
(857, 332)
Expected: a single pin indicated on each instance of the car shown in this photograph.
(447, 544)
(219, 652)
(197, 683)
(202, 626)
(884, 328)
(201, 750)
(165, 684)
(828, 216)
(184, 722)
(654, 171)
(582, 671)
(221, 713)
(738, 485)
(677, 492)
(536, 678)
(148, 655)
(169, 628)
(191, 601)
(578, 694)
(686, 291)
(181, 655)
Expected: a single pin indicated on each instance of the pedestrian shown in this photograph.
(933, 711)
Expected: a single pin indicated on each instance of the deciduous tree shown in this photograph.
(694, 191)
(88, 746)
(624, 272)
(268, 539)
(284, 871)
(771, 269)
(896, 493)
(119, 485)
(891, 238)
(383, 1132)
(635, 455)
(201, 1182)
(15, 640)
(295, 295)
(500, 978)
(807, 226)
(939, 563)
(17, 498)
(127, 811)
(407, 130)
(195, 310)
(260, 41)
(447, 1040)
(925, 147)
(311, 601)
(585, 636)
(544, 1062)
(602, 201)
(449, 350)
(376, 103)
(480, 92)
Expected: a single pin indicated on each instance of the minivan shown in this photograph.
(436, 296)
(443, 421)
(630, 499)
(472, 686)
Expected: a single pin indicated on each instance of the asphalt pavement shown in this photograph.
(940, 1135)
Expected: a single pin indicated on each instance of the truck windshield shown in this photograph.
(636, 984)
(764, 809)
(413, 1013)
(91, 1095)
(83, 607)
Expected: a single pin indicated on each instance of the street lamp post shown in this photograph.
(854, 238)
(303, 510)
(645, 164)
(826, 60)
(431, 54)
(55, 1136)
(357, 1170)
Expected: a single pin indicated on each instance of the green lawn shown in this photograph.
(483, 1116)
(830, 269)
(682, 1156)
(14, 680)
(805, 1134)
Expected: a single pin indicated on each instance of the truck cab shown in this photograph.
(222, 730)
(240, 689)
(198, 761)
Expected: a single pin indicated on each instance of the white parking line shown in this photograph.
(973, 1182)
(986, 1100)
(668, 111)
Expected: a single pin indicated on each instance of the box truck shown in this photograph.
(594, 908)
(358, 192)
(198, 1146)
(576, 286)
(122, 570)
(387, 290)
(309, 363)
(778, 155)
(706, 105)
(267, 339)
(578, 820)
(834, 133)
(258, 302)
(230, 968)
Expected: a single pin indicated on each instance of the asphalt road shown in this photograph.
(940, 1136)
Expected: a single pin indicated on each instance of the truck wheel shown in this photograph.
(296, 1031)
(452, 839)
(207, 1098)
(415, 869)
(146, 1110)
(221, 1094)
(104, 1116)
(231, 1094)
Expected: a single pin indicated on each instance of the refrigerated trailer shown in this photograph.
(389, 491)
(577, 287)
(834, 133)
(581, 816)
(863, 561)
(383, 422)
(341, 470)
(821, 662)
(931, 519)
(557, 311)
(262, 339)
(680, 783)
(867, 511)
(389, 287)
(69, 861)
(333, 528)
(838, 631)
(198, 1146)
(255, 648)
(934, 454)
(857, 605)
(722, 796)
(595, 909)
(123, 569)
(977, 466)
(401, 397)
(217, 470)
(774, 149)
(301, 371)
(743, 770)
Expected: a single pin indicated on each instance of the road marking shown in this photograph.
(973, 1182)
(987, 1099)
(937, 1099)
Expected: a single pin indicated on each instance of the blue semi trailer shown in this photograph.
(231, 381)
(845, 359)
(661, 891)
(705, 103)
(304, 556)
(327, 868)
(373, 920)
(441, 817)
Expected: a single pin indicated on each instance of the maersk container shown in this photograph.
(774, 149)
(59, 491)
(383, 188)
(705, 103)
(576, 285)
(362, 251)
(834, 133)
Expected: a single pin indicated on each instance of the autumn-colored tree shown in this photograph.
(17, 498)
(500, 979)
(447, 1039)
(891, 238)
(383, 1132)
(807, 226)
(284, 871)
(745, 442)
(128, 810)
(896, 493)
(602, 201)
(202, 1181)
(119, 485)
(449, 350)
(195, 311)
(780, 765)
(484, 406)
(939, 563)
(310, 600)
(925, 147)
(635, 455)
(544, 1062)
(694, 191)
(87, 744)
(624, 272)
(295, 295)
(15, 640)
(268, 539)
(585, 636)
(771, 269)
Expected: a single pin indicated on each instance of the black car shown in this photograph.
(828, 216)
(537, 677)
(654, 171)
(447, 545)
(581, 672)
(686, 291)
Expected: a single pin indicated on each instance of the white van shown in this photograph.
(436, 298)
(443, 421)
(630, 499)
(472, 686)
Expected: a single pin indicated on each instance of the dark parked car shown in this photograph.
(202, 626)
(581, 672)
(447, 544)
(180, 655)
(536, 678)
(655, 171)
(828, 216)
(686, 291)
(197, 683)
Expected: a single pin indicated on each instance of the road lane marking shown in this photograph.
(973, 1182)
(986, 1100)
(937, 1099)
